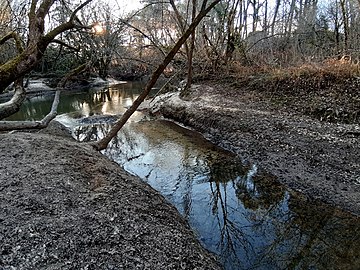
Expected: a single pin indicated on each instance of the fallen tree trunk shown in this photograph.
(16, 125)
(13, 105)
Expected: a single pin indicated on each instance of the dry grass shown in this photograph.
(328, 91)
(333, 69)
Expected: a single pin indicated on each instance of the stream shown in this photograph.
(247, 219)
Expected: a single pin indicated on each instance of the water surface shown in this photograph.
(98, 101)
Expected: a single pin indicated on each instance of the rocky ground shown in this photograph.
(65, 206)
(278, 132)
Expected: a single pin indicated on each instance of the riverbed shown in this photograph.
(245, 217)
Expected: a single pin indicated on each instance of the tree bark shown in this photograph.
(13, 105)
(346, 25)
(186, 91)
(276, 12)
(103, 143)
(16, 37)
(231, 35)
(17, 125)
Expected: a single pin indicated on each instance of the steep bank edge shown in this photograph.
(316, 158)
(65, 206)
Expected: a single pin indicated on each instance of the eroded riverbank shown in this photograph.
(319, 159)
(65, 206)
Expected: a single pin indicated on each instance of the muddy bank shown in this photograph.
(317, 158)
(65, 206)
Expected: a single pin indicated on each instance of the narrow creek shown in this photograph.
(247, 219)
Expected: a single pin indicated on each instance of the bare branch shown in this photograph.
(17, 125)
(13, 105)
(16, 37)
(72, 73)
(135, 59)
(32, 9)
(62, 43)
(68, 25)
(180, 20)
(144, 35)
(102, 144)
(44, 8)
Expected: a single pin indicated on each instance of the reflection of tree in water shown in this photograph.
(231, 234)
(311, 235)
(101, 96)
(259, 191)
(255, 192)
(124, 143)
(330, 239)
(276, 230)
(87, 133)
(89, 100)
(267, 228)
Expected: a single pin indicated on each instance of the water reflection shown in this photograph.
(108, 100)
(247, 218)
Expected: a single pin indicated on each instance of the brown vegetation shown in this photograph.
(327, 91)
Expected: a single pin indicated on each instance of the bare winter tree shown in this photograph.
(103, 143)
(31, 50)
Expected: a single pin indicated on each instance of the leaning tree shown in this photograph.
(205, 9)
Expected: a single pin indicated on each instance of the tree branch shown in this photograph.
(18, 125)
(16, 37)
(13, 105)
(62, 43)
(144, 35)
(72, 73)
(32, 9)
(103, 143)
(68, 25)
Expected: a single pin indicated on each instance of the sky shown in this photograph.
(126, 4)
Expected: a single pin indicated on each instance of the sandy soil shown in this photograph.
(65, 206)
(319, 159)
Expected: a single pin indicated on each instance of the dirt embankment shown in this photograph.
(318, 158)
(65, 206)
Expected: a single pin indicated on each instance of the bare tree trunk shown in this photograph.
(346, 25)
(186, 91)
(265, 21)
(31, 55)
(276, 12)
(13, 105)
(337, 29)
(231, 35)
(20, 96)
(289, 22)
(12, 125)
(255, 14)
(103, 143)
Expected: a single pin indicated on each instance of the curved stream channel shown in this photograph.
(249, 220)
